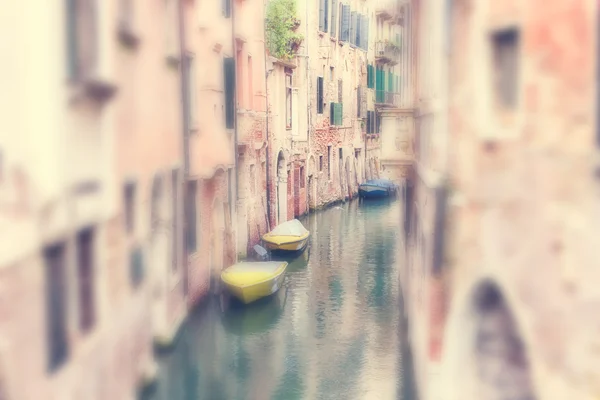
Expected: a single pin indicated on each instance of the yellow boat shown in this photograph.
(288, 236)
(250, 281)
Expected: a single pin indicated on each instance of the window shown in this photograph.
(336, 114)
(129, 207)
(82, 39)
(288, 101)
(340, 153)
(329, 162)
(370, 77)
(320, 163)
(229, 74)
(334, 7)
(250, 85)
(226, 8)
(191, 221)
(323, 15)
(345, 23)
(85, 269)
(506, 64)
(239, 64)
(331, 74)
(174, 217)
(319, 95)
(340, 91)
(377, 122)
(56, 306)
(302, 178)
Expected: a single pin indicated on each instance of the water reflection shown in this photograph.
(332, 332)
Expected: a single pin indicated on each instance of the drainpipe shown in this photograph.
(267, 148)
(186, 131)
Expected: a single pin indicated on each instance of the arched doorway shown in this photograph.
(312, 184)
(281, 195)
(485, 349)
(159, 254)
(349, 186)
(501, 359)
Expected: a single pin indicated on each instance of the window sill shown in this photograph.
(321, 33)
(333, 39)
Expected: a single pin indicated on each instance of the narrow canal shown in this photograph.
(334, 331)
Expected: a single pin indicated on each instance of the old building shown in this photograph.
(500, 244)
(211, 132)
(90, 167)
(393, 80)
(337, 44)
(251, 124)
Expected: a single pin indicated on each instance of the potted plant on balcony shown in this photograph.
(281, 22)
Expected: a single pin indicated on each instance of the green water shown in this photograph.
(334, 331)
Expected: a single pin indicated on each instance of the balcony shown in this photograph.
(387, 52)
(384, 98)
(386, 9)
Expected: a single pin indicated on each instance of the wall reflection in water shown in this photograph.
(334, 331)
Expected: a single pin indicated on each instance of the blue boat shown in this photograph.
(377, 188)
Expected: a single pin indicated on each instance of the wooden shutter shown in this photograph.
(339, 113)
(229, 67)
(353, 28)
(334, 8)
(85, 269)
(345, 34)
(357, 41)
(331, 113)
(56, 306)
(226, 8)
(322, 15)
(72, 52)
(320, 95)
(326, 19)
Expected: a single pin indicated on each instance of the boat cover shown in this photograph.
(380, 182)
(268, 267)
(289, 228)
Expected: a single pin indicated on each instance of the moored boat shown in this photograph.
(250, 281)
(289, 236)
(377, 188)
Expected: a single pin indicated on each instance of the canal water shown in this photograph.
(334, 331)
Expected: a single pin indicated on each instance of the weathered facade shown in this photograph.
(500, 231)
(211, 131)
(337, 44)
(89, 201)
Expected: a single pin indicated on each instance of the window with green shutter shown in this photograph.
(336, 114)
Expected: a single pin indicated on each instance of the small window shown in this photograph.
(191, 216)
(85, 269)
(319, 95)
(331, 74)
(56, 306)
(506, 67)
(129, 207)
(320, 163)
(341, 153)
(302, 178)
(174, 217)
(226, 8)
